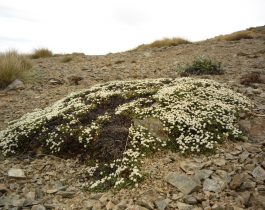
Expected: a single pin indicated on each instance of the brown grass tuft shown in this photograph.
(167, 42)
(236, 36)
(253, 77)
(12, 66)
(41, 53)
(66, 59)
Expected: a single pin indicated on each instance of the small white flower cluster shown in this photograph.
(127, 169)
(197, 114)
(87, 134)
(92, 170)
(138, 106)
(36, 125)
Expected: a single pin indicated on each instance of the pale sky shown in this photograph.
(104, 26)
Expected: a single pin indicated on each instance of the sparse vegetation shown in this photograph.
(66, 59)
(41, 53)
(236, 36)
(201, 65)
(12, 66)
(167, 42)
(114, 125)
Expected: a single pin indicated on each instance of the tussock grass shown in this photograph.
(66, 59)
(41, 53)
(236, 36)
(167, 42)
(12, 66)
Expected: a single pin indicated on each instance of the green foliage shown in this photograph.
(41, 53)
(201, 65)
(12, 66)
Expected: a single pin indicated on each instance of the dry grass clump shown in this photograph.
(253, 77)
(66, 59)
(41, 53)
(12, 66)
(167, 42)
(236, 36)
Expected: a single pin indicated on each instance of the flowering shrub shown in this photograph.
(196, 114)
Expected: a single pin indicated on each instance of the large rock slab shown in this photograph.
(181, 181)
(255, 128)
(154, 126)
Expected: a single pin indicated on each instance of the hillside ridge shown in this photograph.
(230, 178)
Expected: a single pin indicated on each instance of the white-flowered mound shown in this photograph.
(196, 114)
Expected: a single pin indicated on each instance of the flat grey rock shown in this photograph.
(184, 206)
(154, 126)
(38, 207)
(16, 173)
(15, 85)
(190, 166)
(162, 204)
(135, 207)
(203, 174)
(90, 203)
(259, 173)
(181, 181)
(211, 185)
(145, 203)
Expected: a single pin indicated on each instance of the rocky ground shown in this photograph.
(232, 178)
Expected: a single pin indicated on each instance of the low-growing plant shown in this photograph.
(41, 53)
(66, 59)
(201, 65)
(236, 36)
(115, 124)
(12, 66)
(167, 42)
